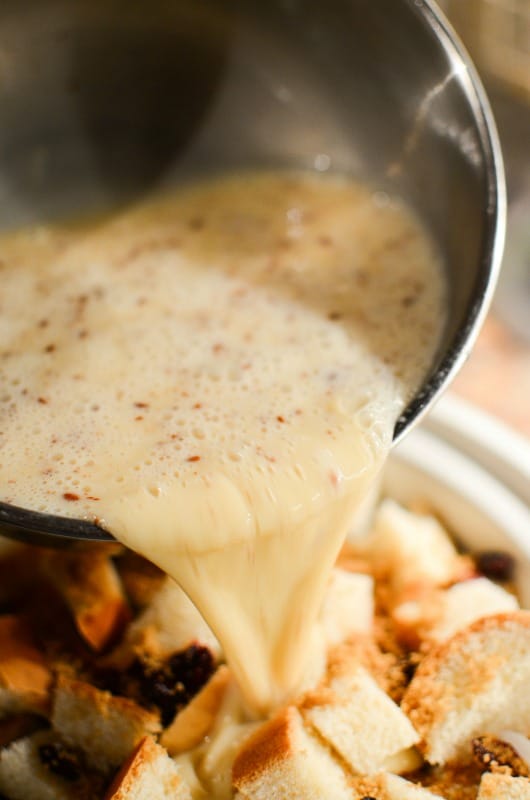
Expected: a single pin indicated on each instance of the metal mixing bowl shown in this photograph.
(104, 100)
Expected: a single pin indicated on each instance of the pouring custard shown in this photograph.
(214, 378)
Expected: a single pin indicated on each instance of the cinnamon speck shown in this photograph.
(280, 418)
(50, 348)
(70, 496)
(194, 458)
(42, 401)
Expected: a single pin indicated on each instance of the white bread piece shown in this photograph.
(141, 579)
(498, 786)
(283, 761)
(467, 601)
(91, 588)
(358, 720)
(23, 776)
(410, 548)
(171, 622)
(428, 614)
(476, 681)
(149, 774)
(194, 722)
(104, 727)
(25, 678)
(398, 788)
(348, 606)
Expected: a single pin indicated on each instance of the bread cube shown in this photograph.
(149, 774)
(25, 776)
(91, 588)
(104, 727)
(498, 786)
(25, 678)
(283, 760)
(191, 725)
(169, 623)
(348, 606)
(410, 548)
(356, 718)
(475, 682)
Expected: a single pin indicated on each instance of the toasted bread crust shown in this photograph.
(191, 725)
(146, 754)
(271, 743)
(91, 588)
(24, 672)
(431, 696)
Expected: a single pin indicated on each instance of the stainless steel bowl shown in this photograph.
(102, 101)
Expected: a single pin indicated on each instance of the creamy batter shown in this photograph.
(215, 378)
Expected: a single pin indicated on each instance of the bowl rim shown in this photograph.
(495, 215)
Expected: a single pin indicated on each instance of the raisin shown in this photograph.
(193, 667)
(496, 565)
(61, 761)
(168, 695)
(170, 686)
(158, 687)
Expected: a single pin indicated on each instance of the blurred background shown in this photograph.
(497, 376)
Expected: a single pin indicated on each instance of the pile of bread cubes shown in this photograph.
(112, 687)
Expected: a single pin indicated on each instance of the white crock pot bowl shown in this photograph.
(474, 472)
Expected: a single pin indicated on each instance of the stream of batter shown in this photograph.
(214, 377)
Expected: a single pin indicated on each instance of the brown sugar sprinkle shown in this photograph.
(280, 418)
(42, 400)
(141, 405)
(50, 348)
(499, 756)
(194, 458)
(70, 496)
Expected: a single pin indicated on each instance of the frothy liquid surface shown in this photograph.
(215, 379)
